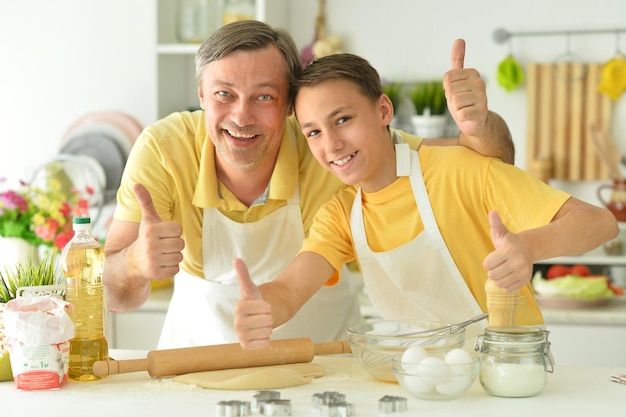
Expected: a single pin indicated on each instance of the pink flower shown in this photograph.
(62, 238)
(41, 215)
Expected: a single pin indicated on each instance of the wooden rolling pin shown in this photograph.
(172, 362)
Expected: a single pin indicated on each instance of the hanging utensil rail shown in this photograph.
(501, 35)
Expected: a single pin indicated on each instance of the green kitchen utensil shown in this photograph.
(510, 73)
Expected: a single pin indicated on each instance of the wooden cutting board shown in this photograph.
(563, 101)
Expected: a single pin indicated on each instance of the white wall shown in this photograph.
(63, 58)
(410, 39)
(60, 59)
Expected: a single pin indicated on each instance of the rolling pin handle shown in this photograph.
(112, 367)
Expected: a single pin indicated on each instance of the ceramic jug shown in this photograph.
(617, 202)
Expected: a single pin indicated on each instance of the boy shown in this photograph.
(423, 227)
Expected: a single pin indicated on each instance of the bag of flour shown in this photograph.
(38, 330)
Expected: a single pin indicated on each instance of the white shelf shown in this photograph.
(177, 48)
(177, 89)
(595, 257)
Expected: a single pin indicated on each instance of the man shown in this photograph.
(238, 180)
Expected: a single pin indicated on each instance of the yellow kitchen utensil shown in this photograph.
(613, 81)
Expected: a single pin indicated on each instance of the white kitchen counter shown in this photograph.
(613, 314)
(570, 391)
(592, 336)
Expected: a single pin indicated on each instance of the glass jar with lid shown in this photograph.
(515, 360)
(235, 10)
(197, 19)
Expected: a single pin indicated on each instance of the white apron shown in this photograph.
(418, 280)
(201, 311)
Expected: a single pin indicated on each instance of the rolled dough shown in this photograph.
(255, 378)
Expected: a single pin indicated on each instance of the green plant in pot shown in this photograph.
(24, 274)
(394, 90)
(429, 101)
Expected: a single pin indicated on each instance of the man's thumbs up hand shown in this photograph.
(466, 93)
(253, 315)
(158, 248)
(148, 212)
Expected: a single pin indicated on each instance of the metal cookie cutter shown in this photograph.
(275, 407)
(337, 410)
(392, 404)
(262, 396)
(233, 408)
(268, 403)
(328, 397)
(332, 404)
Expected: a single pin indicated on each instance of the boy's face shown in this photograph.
(347, 132)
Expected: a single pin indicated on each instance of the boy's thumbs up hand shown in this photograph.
(253, 315)
(247, 288)
(498, 229)
(509, 264)
(158, 248)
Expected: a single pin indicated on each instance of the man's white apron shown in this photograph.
(201, 311)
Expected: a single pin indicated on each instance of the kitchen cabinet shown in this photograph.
(589, 336)
(176, 81)
(588, 344)
(139, 329)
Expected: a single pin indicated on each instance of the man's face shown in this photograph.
(347, 132)
(245, 98)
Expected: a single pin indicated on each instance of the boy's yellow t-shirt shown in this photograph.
(463, 187)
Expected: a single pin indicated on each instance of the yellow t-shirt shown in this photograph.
(463, 187)
(175, 160)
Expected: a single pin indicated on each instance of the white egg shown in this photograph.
(458, 383)
(418, 384)
(434, 368)
(414, 354)
(458, 356)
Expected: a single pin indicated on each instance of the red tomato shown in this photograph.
(580, 271)
(557, 271)
(616, 290)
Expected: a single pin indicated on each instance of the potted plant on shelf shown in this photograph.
(394, 90)
(429, 101)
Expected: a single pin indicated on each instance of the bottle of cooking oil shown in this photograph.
(82, 261)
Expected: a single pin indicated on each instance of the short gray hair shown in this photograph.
(249, 35)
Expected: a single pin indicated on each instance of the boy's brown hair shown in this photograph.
(343, 66)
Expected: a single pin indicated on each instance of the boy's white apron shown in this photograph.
(418, 280)
(201, 311)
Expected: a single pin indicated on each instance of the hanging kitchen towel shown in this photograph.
(563, 100)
